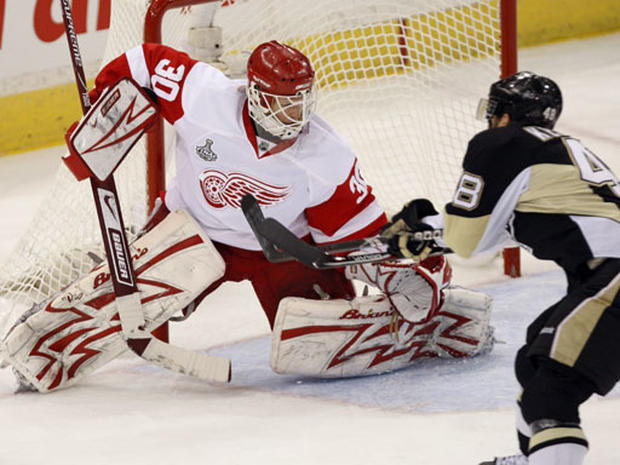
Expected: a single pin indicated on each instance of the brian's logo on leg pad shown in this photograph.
(355, 314)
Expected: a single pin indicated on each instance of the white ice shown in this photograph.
(441, 412)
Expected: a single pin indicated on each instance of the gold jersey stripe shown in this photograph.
(551, 434)
(559, 189)
(574, 332)
(463, 234)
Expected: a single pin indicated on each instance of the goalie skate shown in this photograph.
(77, 331)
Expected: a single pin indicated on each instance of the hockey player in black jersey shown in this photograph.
(545, 190)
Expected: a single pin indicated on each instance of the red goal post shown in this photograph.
(512, 256)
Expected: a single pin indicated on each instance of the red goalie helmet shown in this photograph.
(280, 90)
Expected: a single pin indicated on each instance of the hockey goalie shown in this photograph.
(255, 136)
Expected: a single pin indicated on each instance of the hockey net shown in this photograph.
(399, 79)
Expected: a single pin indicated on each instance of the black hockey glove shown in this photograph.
(408, 237)
(414, 211)
(417, 243)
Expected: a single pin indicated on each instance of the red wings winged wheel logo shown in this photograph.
(221, 189)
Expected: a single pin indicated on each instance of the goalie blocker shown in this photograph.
(99, 142)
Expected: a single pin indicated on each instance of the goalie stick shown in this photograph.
(122, 274)
(280, 244)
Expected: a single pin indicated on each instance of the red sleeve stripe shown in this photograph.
(110, 73)
(349, 198)
(137, 66)
(373, 215)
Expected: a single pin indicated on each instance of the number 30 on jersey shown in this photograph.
(165, 81)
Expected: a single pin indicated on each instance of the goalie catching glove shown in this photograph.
(409, 234)
(414, 290)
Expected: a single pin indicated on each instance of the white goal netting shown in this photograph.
(400, 80)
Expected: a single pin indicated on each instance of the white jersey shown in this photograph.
(312, 184)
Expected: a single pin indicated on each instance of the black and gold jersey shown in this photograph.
(543, 189)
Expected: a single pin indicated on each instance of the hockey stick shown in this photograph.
(280, 244)
(118, 257)
(255, 217)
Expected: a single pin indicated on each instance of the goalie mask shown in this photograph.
(527, 97)
(280, 91)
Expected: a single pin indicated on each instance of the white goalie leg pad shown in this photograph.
(60, 340)
(463, 324)
(331, 338)
(340, 338)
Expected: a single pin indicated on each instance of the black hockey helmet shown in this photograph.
(527, 97)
